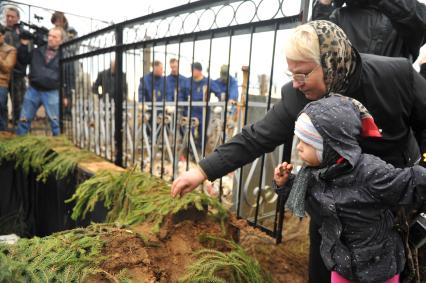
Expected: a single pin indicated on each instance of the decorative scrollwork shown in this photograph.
(183, 22)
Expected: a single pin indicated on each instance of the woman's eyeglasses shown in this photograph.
(300, 78)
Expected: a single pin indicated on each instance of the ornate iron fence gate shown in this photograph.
(118, 108)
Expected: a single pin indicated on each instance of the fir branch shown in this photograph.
(68, 256)
(234, 266)
(135, 197)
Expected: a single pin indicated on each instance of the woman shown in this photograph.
(323, 60)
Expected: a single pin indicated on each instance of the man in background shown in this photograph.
(44, 84)
(7, 62)
(13, 37)
(177, 85)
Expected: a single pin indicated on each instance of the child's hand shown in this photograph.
(282, 173)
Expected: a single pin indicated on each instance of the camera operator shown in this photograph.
(44, 84)
(391, 28)
(13, 37)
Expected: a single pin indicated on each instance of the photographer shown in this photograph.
(44, 84)
(13, 37)
(391, 28)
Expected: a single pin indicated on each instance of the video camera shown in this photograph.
(37, 34)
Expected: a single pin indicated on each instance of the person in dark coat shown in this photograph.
(322, 60)
(104, 85)
(44, 84)
(14, 36)
(391, 28)
(352, 192)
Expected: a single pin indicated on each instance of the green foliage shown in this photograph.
(45, 155)
(26, 151)
(235, 266)
(135, 197)
(68, 256)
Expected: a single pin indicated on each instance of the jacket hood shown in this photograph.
(339, 123)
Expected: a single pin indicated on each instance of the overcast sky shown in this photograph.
(115, 11)
(110, 11)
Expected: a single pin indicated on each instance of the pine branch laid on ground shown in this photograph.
(68, 256)
(235, 266)
(135, 197)
(44, 155)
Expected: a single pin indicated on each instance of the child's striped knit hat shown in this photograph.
(305, 130)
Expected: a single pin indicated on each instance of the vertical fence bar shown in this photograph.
(267, 109)
(141, 97)
(118, 135)
(89, 103)
(61, 91)
(105, 125)
(176, 160)
(190, 107)
(84, 112)
(98, 122)
(153, 110)
(135, 127)
(111, 120)
(164, 111)
(240, 183)
(205, 122)
(226, 108)
(126, 114)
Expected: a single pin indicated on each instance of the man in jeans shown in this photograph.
(44, 84)
(7, 62)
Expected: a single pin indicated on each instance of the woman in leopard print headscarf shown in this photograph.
(337, 56)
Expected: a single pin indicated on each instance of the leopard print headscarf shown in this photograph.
(337, 56)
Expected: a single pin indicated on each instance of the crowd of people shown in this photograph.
(17, 52)
(156, 87)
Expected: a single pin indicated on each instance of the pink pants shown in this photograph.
(337, 278)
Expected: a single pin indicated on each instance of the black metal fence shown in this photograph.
(124, 105)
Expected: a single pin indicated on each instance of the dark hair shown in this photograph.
(173, 60)
(157, 63)
(59, 16)
(197, 66)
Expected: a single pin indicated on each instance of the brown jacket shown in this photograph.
(7, 63)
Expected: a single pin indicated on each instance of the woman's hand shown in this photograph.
(187, 182)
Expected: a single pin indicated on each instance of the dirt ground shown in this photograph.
(287, 261)
(145, 257)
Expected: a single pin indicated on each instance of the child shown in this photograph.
(349, 193)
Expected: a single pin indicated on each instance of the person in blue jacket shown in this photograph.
(219, 86)
(152, 85)
(176, 84)
(197, 89)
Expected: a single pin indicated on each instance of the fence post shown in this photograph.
(118, 135)
(61, 91)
